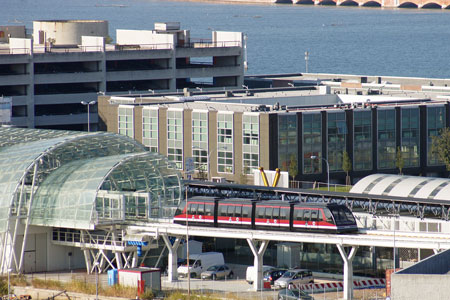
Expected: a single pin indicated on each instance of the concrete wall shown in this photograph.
(67, 32)
(145, 38)
(13, 31)
(20, 46)
(93, 43)
(427, 279)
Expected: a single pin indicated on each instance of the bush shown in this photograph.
(4, 287)
(147, 295)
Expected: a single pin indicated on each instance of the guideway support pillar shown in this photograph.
(348, 270)
(173, 257)
(258, 254)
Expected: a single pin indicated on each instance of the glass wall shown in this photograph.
(386, 139)
(362, 140)
(337, 138)
(175, 137)
(150, 128)
(225, 142)
(250, 142)
(435, 122)
(200, 139)
(312, 142)
(126, 120)
(287, 141)
(410, 136)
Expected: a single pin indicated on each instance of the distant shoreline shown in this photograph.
(233, 1)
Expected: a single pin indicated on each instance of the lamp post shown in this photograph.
(9, 284)
(96, 265)
(328, 169)
(88, 106)
(306, 61)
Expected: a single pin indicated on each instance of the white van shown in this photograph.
(199, 263)
(250, 274)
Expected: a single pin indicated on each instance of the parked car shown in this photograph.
(216, 272)
(286, 294)
(199, 263)
(272, 275)
(293, 277)
(250, 274)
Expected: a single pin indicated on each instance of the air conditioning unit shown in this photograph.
(218, 179)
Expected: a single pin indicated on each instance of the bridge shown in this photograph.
(436, 4)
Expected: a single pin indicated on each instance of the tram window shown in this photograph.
(269, 211)
(299, 214)
(230, 211)
(238, 211)
(180, 208)
(246, 211)
(284, 211)
(328, 216)
(193, 208)
(314, 215)
(208, 209)
(222, 211)
(276, 213)
(349, 215)
(260, 212)
(307, 215)
(201, 209)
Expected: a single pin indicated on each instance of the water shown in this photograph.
(366, 41)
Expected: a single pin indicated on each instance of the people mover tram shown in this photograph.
(266, 215)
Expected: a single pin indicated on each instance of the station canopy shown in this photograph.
(82, 180)
(404, 186)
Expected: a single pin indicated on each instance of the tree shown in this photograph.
(346, 166)
(399, 162)
(293, 166)
(440, 146)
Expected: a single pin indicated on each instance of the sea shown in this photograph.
(339, 40)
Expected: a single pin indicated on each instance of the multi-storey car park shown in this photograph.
(66, 62)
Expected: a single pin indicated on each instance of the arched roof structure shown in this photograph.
(404, 186)
(64, 179)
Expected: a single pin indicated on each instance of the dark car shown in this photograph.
(287, 294)
(272, 275)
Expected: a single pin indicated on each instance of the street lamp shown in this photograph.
(328, 169)
(9, 285)
(96, 265)
(88, 106)
(306, 61)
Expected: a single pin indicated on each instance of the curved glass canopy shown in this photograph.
(81, 180)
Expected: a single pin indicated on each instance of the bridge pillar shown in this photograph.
(258, 254)
(348, 270)
(172, 257)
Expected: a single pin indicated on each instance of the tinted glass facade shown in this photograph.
(435, 122)
(386, 139)
(287, 140)
(410, 136)
(126, 120)
(336, 138)
(362, 140)
(175, 137)
(312, 143)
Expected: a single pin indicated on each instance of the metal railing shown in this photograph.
(316, 185)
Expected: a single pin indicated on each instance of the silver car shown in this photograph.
(216, 272)
(294, 277)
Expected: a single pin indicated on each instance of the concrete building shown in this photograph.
(228, 135)
(66, 62)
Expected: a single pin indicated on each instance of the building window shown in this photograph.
(337, 138)
(435, 122)
(250, 143)
(175, 137)
(312, 143)
(200, 140)
(126, 120)
(225, 142)
(410, 143)
(287, 141)
(386, 139)
(362, 145)
(150, 128)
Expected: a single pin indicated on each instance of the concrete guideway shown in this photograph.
(258, 240)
